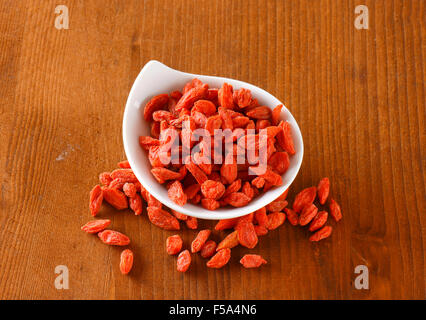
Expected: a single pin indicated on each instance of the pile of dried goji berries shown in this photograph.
(122, 190)
(203, 168)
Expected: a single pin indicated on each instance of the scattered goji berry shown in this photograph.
(174, 244)
(192, 223)
(335, 211)
(275, 220)
(115, 197)
(230, 241)
(292, 216)
(323, 190)
(162, 219)
(319, 220)
(126, 261)
(183, 261)
(323, 233)
(208, 249)
(226, 224)
(136, 204)
(220, 259)
(199, 240)
(252, 261)
(308, 213)
(304, 198)
(113, 238)
(247, 236)
(96, 198)
(96, 226)
(129, 189)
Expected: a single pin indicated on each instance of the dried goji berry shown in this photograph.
(126, 261)
(226, 119)
(105, 178)
(162, 219)
(237, 199)
(176, 194)
(163, 115)
(323, 190)
(220, 259)
(96, 198)
(153, 202)
(205, 107)
(258, 182)
(154, 104)
(213, 123)
(260, 230)
(270, 176)
(192, 190)
(183, 261)
(242, 97)
(212, 189)
(260, 217)
(240, 121)
(261, 112)
(226, 224)
(125, 175)
(276, 113)
(208, 249)
(280, 161)
(163, 174)
(115, 197)
(124, 164)
(179, 215)
(275, 220)
(192, 223)
(248, 190)
(96, 226)
(308, 213)
(335, 211)
(292, 216)
(323, 233)
(225, 96)
(146, 142)
(229, 169)
(319, 220)
(252, 261)
(233, 187)
(277, 205)
(199, 240)
(114, 238)
(174, 244)
(136, 204)
(210, 204)
(285, 138)
(230, 241)
(129, 189)
(247, 236)
(304, 198)
(191, 96)
(198, 174)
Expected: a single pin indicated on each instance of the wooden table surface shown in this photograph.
(358, 96)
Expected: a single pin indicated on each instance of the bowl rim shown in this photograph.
(223, 213)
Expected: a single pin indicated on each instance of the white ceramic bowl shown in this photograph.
(156, 78)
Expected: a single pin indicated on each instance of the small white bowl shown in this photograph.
(156, 78)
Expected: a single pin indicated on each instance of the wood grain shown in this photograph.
(358, 96)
